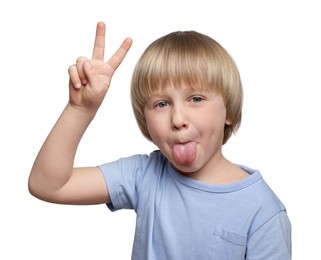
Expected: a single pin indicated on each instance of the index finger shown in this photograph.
(99, 46)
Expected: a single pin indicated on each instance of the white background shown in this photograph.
(276, 45)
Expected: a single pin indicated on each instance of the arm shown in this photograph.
(272, 241)
(53, 177)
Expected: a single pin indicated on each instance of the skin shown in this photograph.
(57, 180)
(185, 117)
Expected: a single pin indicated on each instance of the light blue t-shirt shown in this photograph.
(179, 218)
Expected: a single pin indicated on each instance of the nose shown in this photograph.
(179, 118)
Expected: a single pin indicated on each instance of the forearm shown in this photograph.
(53, 176)
(54, 163)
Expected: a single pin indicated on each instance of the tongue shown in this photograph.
(185, 153)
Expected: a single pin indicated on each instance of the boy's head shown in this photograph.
(192, 59)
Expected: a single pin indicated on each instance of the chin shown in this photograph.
(186, 169)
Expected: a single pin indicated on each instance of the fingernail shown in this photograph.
(77, 85)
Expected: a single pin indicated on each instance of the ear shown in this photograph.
(228, 122)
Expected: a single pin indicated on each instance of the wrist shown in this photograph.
(81, 112)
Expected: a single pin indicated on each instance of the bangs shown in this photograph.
(187, 59)
(175, 68)
(177, 60)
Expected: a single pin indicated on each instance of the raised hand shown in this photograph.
(90, 79)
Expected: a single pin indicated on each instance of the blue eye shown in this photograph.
(197, 99)
(161, 104)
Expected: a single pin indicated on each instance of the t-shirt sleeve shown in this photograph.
(122, 178)
(272, 241)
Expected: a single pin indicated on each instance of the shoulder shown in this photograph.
(129, 178)
(134, 167)
(263, 200)
(137, 160)
(264, 195)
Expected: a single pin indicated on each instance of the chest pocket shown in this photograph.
(227, 245)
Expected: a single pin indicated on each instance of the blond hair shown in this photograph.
(192, 58)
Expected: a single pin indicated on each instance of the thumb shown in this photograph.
(87, 68)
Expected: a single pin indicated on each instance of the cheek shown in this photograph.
(154, 127)
(211, 123)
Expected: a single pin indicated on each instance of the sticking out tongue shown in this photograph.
(185, 153)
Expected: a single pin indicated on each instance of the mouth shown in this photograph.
(185, 153)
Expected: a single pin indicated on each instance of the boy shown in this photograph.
(191, 202)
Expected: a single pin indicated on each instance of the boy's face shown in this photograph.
(187, 125)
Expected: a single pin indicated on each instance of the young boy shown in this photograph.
(191, 202)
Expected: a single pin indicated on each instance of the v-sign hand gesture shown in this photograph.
(90, 79)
